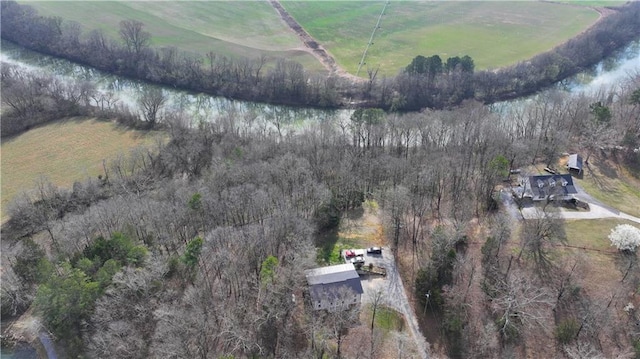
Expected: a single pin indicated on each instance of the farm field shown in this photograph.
(63, 152)
(597, 3)
(229, 28)
(493, 33)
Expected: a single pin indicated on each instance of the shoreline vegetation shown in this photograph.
(287, 82)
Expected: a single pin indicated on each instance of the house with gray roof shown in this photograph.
(334, 287)
(550, 187)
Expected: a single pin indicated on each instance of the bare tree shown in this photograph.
(134, 37)
(538, 234)
(151, 101)
(521, 303)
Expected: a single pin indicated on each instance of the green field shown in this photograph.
(493, 33)
(230, 28)
(63, 152)
(595, 3)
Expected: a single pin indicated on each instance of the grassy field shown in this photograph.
(593, 233)
(63, 152)
(599, 261)
(230, 28)
(493, 33)
(612, 185)
(595, 3)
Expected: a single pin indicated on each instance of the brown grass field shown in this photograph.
(63, 152)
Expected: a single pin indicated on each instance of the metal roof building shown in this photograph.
(575, 163)
(334, 287)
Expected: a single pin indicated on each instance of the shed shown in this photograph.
(334, 287)
(575, 163)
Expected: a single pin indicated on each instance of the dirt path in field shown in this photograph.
(312, 46)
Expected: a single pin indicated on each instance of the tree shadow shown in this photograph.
(607, 170)
(354, 214)
(326, 242)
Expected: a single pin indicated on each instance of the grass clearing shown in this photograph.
(493, 33)
(359, 228)
(64, 151)
(229, 28)
(613, 185)
(593, 233)
(599, 263)
(389, 319)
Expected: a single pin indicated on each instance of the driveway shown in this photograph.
(394, 295)
(596, 209)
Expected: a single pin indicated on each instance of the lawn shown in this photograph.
(389, 319)
(612, 185)
(63, 152)
(599, 262)
(230, 28)
(493, 33)
(593, 233)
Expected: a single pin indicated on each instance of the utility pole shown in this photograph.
(373, 33)
(427, 304)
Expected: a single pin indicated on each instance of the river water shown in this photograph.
(269, 118)
(196, 106)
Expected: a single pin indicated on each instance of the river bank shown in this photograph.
(289, 84)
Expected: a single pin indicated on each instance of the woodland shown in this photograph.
(196, 247)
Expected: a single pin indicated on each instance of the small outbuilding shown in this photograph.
(574, 165)
(334, 288)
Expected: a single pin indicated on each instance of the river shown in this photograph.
(195, 106)
(606, 74)
(269, 118)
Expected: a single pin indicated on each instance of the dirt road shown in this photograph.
(394, 296)
(312, 46)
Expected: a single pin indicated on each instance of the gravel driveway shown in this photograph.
(394, 295)
(596, 209)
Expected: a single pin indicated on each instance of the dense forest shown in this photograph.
(287, 82)
(194, 247)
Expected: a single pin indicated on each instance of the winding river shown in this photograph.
(268, 118)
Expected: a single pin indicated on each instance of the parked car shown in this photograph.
(349, 254)
(357, 260)
(374, 250)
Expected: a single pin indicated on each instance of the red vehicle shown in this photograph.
(349, 254)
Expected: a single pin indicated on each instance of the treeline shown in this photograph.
(287, 82)
(31, 98)
(196, 248)
(601, 40)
